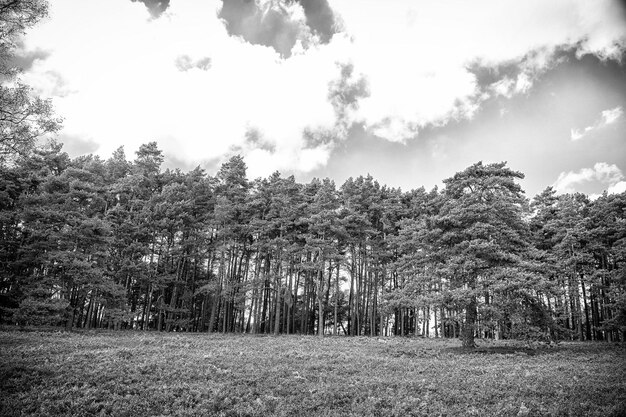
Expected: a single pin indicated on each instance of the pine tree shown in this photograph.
(480, 232)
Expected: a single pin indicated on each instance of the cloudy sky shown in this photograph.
(408, 91)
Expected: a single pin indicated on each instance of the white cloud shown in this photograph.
(577, 134)
(504, 87)
(417, 65)
(617, 188)
(610, 177)
(611, 115)
(607, 117)
(129, 85)
(121, 78)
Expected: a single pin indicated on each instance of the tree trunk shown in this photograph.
(471, 313)
(351, 296)
(320, 301)
(320, 317)
(336, 302)
(278, 308)
(328, 285)
(588, 324)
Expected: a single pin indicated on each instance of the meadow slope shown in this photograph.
(151, 374)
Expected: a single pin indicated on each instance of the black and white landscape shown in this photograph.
(312, 207)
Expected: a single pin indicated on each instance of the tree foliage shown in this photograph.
(124, 244)
(24, 117)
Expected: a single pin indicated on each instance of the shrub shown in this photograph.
(41, 312)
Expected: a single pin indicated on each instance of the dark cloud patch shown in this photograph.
(255, 139)
(75, 145)
(320, 18)
(172, 162)
(24, 60)
(185, 63)
(487, 75)
(269, 23)
(345, 92)
(156, 7)
(319, 137)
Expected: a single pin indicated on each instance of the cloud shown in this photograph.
(607, 117)
(279, 24)
(420, 58)
(611, 115)
(266, 23)
(155, 7)
(344, 94)
(297, 74)
(77, 145)
(617, 188)
(516, 76)
(576, 134)
(24, 60)
(321, 18)
(255, 139)
(150, 80)
(52, 82)
(186, 63)
(609, 176)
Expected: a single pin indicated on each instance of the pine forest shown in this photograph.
(89, 243)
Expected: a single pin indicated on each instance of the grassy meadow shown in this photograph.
(152, 374)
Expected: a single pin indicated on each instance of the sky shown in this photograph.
(408, 91)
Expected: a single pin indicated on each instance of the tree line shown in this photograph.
(94, 243)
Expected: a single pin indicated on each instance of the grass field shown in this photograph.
(141, 374)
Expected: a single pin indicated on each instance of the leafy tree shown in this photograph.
(18, 182)
(324, 232)
(120, 244)
(414, 260)
(117, 166)
(24, 118)
(480, 232)
(605, 224)
(361, 209)
(231, 224)
(67, 233)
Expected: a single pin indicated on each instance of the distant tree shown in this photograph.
(117, 166)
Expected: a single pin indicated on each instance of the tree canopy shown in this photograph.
(124, 244)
